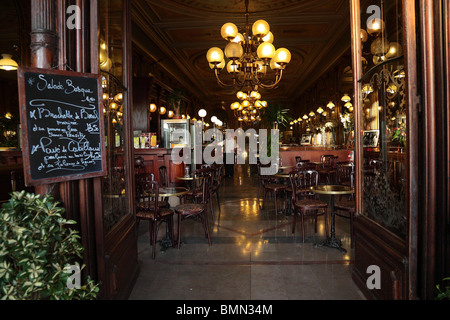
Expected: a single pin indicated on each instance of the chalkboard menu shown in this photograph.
(62, 125)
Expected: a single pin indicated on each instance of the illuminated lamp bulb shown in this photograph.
(239, 38)
(113, 106)
(153, 107)
(346, 98)
(260, 28)
(274, 65)
(233, 67)
(395, 50)
(7, 63)
(162, 110)
(118, 98)
(282, 56)
(260, 67)
(375, 27)
(229, 31)
(392, 88)
(266, 51)
(214, 119)
(202, 113)
(268, 37)
(330, 105)
(217, 66)
(105, 97)
(240, 95)
(367, 89)
(214, 55)
(170, 114)
(253, 94)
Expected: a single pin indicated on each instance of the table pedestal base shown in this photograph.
(332, 243)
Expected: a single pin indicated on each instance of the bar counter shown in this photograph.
(288, 153)
(156, 158)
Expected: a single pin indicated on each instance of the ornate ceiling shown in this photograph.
(178, 33)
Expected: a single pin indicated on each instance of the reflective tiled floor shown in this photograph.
(254, 255)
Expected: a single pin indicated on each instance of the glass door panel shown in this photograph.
(384, 114)
(116, 187)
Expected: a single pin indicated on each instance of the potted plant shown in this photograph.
(275, 115)
(443, 294)
(37, 250)
(176, 103)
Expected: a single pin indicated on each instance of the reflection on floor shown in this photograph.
(254, 255)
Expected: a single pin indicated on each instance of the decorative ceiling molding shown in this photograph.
(180, 32)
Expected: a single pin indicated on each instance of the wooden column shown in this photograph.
(43, 45)
(355, 27)
(43, 33)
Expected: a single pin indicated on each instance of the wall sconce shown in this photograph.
(7, 63)
(346, 98)
(153, 107)
(330, 105)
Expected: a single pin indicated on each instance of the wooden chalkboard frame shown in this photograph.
(26, 132)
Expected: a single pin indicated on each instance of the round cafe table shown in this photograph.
(332, 190)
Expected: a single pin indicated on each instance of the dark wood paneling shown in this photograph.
(374, 245)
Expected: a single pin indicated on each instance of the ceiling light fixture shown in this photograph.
(7, 63)
(250, 109)
(250, 53)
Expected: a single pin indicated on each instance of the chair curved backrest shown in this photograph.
(147, 195)
(265, 179)
(163, 179)
(345, 172)
(202, 184)
(302, 181)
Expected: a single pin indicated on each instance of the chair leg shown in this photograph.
(170, 221)
(218, 200)
(152, 228)
(276, 205)
(351, 229)
(264, 199)
(179, 231)
(294, 220)
(302, 217)
(204, 218)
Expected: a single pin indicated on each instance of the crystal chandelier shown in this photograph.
(250, 53)
(250, 108)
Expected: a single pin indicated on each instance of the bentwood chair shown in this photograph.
(328, 171)
(147, 208)
(216, 183)
(200, 206)
(304, 201)
(163, 179)
(269, 184)
(346, 207)
(344, 173)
